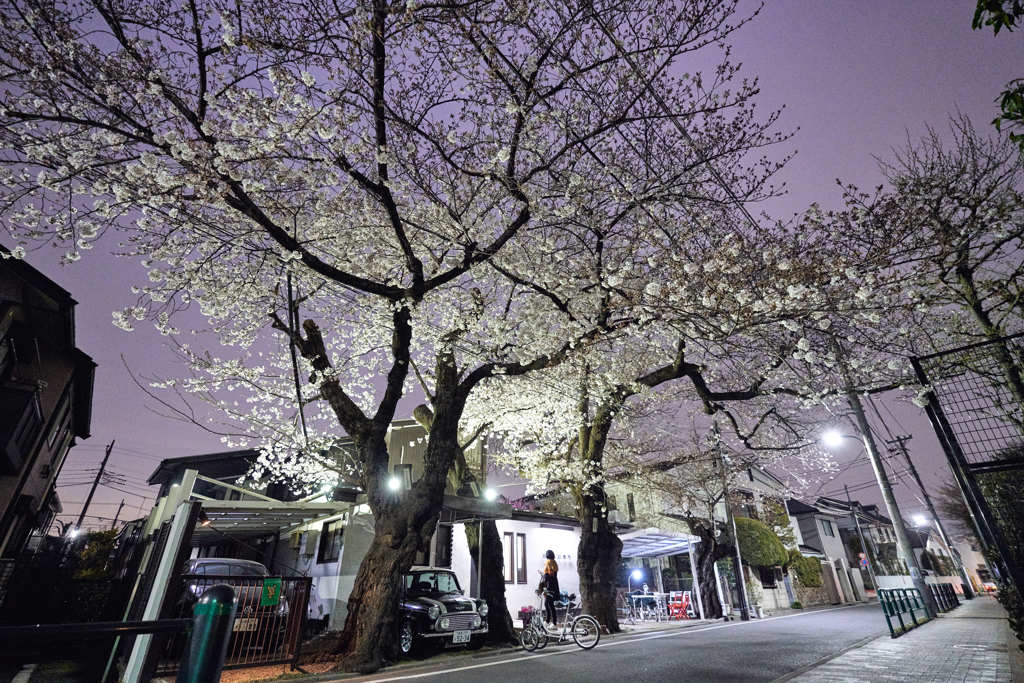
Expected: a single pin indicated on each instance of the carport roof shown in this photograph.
(653, 542)
(259, 517)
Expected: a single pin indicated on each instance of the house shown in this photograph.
(324, 535)
(973, 561)
(46, 389)
(932, 556)
(818, 527)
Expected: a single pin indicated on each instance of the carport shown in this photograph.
(654, 543)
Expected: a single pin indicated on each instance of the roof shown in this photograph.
(797, 507)
(22, 269)
(169, 467)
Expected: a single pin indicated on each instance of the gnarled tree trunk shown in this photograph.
(598, 561)
(708, 552)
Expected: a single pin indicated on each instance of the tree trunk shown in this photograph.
(403, 523)
(499, 621)
(368, 639)
(598, 557)
(708, 551)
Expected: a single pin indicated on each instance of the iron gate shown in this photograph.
(270, 616)
(975, 402)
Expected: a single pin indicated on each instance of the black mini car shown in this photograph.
(435, 610)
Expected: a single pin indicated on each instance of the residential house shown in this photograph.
(973, 561)
(46, 389)
(819, 536)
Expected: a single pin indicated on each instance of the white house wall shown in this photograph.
(564, 543)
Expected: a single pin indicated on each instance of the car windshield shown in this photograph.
(432, 582)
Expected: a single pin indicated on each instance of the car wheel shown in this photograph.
(476, 642)
(406, 638)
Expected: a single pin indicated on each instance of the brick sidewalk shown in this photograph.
(967, 644)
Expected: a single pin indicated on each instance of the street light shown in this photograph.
(490, 495)
(394, 483)
(832, 438)
(919, 520)
(634, 575)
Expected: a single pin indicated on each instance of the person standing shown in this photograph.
(549, 584)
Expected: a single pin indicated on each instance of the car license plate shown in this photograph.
(248, 624)
(461, 636)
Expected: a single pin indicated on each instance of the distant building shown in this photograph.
(46, 388)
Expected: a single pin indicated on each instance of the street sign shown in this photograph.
(271, 594)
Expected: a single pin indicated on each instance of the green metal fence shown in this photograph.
(899, 602)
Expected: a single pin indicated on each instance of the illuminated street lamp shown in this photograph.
(394, 483)
(490, 495)
(919, 520)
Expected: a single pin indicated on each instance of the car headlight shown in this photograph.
(483, 609)
(434, 612)
(477, 621)
(444, 624)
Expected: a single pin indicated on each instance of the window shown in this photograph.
(443, 552)
(330, 542)
(827, 526)
(631, 507)
(520, 558)
(508, 553)
(404, 474)
(59, 424)
(767, 576)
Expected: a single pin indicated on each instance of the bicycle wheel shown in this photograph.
(586, 632)
(528, 639)
(542, 636)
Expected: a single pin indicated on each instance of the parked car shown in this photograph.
(246, 577)
(434, 610)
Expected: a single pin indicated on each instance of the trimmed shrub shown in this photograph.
(759, 545)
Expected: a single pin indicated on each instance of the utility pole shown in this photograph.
(741, 585)
(916, 575)
(902, 539)
(900, 443)
(95, 483)
(863, 543)
(116, 515)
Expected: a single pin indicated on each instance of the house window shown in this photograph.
(767, 576)
(59, 424)
(330, 542)
(404, 475)
(520, 558)
(631, 507)
(443, 553)
(827, 526)
(508, 553)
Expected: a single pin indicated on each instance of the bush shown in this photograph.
(796, 604)
(807, 569)
(759, 545)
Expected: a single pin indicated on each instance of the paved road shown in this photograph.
(760, 650)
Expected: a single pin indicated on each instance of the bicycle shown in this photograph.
(582, 628)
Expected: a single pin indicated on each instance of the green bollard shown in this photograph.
(213, 617)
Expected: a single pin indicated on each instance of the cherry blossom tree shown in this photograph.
(368, 184)
(743, 321)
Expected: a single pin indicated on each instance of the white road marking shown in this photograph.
(25, 674)
(618, 641)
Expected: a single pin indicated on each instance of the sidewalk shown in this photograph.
(968, 644)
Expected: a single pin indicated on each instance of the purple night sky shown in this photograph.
(856, 77)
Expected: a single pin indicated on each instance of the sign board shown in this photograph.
(271, 594)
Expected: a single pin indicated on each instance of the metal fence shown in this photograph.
(975, 402)
(269, 619)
